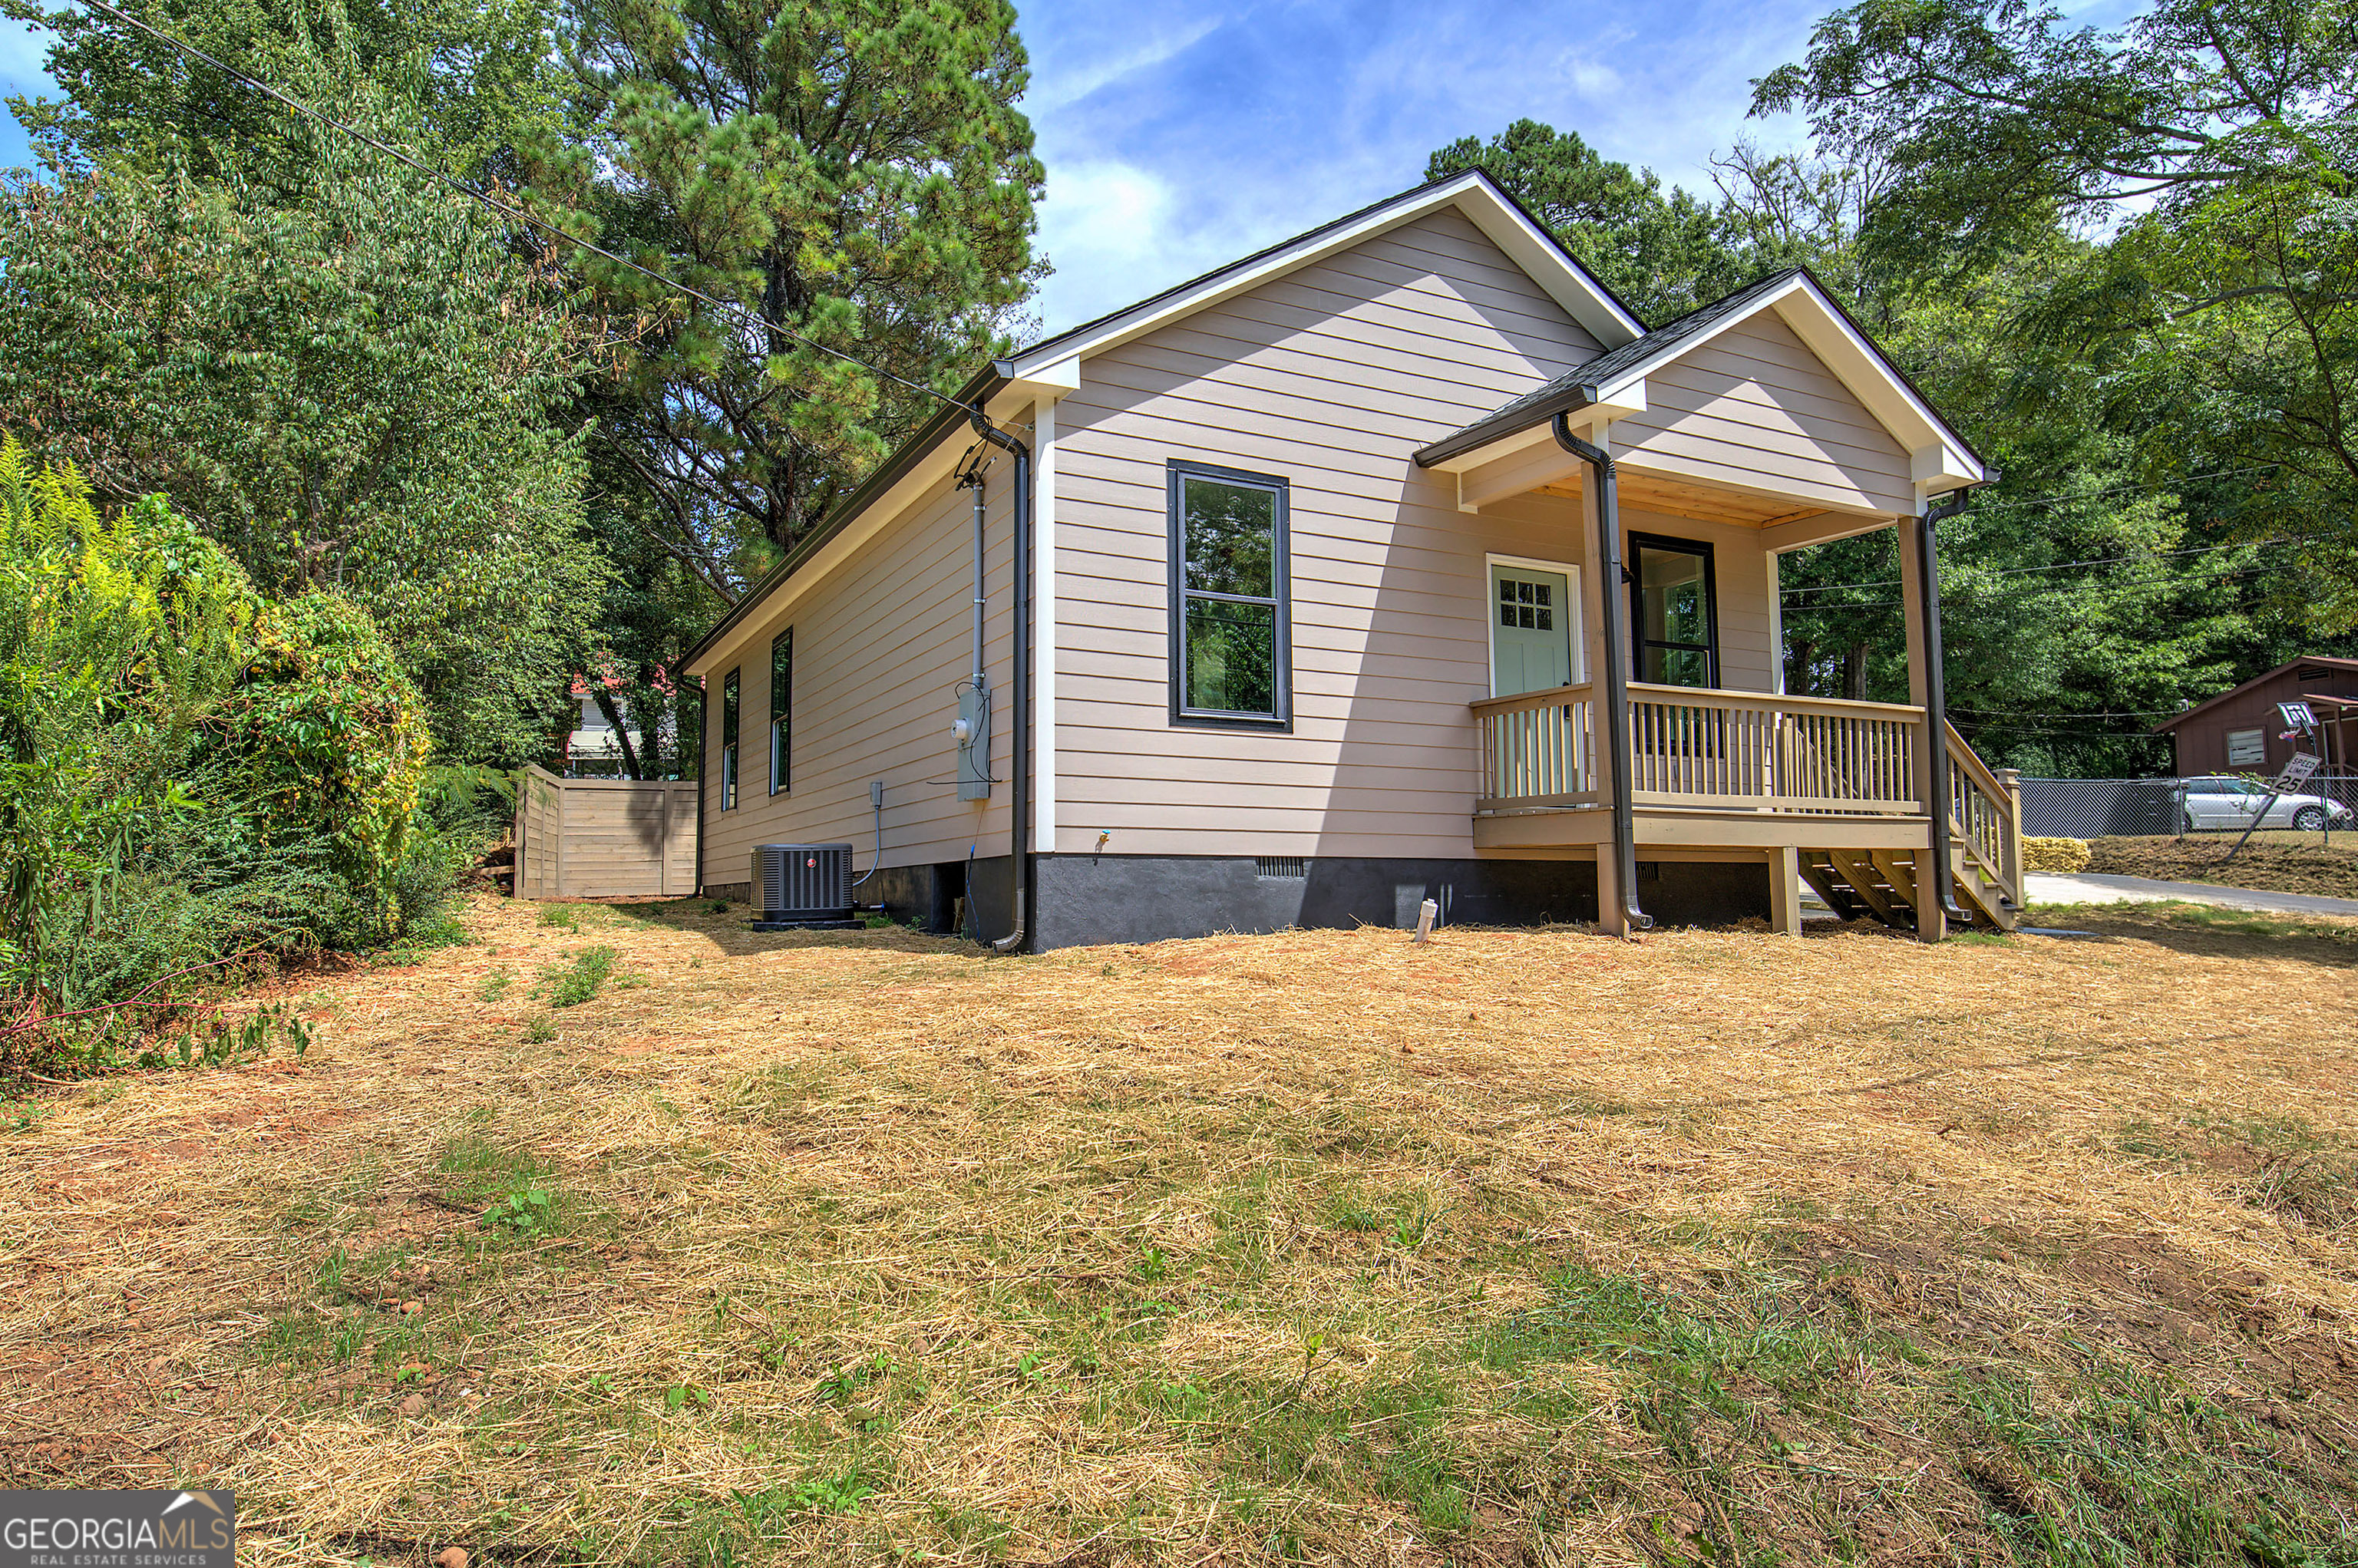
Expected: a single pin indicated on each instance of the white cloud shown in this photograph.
(1069, 86)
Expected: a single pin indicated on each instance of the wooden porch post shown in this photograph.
(1785, 890)
(1931, 921)
(1612, 902)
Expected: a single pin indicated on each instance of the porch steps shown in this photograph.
(1880, 884)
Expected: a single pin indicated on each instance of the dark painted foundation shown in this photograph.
(1086, 900)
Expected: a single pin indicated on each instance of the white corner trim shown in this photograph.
(1043, 621)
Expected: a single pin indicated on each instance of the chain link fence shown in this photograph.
(2127, 808)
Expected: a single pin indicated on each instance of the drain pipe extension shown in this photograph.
(1020, 714)
(1616, 678)
(1936, 693)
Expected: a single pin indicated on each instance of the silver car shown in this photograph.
(2218, 802)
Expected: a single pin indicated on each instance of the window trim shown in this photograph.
(1177, 472)
(733, 714)
(782, 742)
(2258, 737)
(1576, 629)
(1672, 544)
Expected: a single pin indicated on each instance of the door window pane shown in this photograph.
(1677, 640)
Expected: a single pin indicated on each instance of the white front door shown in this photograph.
(1530, 629)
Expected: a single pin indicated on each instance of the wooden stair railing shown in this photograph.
(1984, 834)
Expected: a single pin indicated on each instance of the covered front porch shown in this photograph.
(1677, 473)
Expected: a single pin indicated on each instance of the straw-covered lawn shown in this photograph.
(1525, 1246)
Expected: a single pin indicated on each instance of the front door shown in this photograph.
(1671, 596)
(1531, 630)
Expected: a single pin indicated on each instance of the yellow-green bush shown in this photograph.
(2054, 854)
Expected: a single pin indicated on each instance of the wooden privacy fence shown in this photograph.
(604, 837)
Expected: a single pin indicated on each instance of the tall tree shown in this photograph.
(2208, 148)
(852, 175)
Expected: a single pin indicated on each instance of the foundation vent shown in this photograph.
(1290, 867)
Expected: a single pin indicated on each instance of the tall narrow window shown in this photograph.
(728, 741)
(1231, 651)
(782, 711)
(1672, 594)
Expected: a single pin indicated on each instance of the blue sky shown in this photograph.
(1185, 134)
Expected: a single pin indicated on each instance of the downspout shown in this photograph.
(1616, 678)
(702, 718)
(973, 480)
(1020, 716)
(1936, 697)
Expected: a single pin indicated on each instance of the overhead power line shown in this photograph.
(2073, 566)
(476, 193)
(2119, 489)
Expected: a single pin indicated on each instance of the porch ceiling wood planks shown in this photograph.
(1644, 492)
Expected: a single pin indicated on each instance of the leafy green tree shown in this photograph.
(854, 176)
(1661, 253)
(2207, 148)
(355, 384)
(477, 75)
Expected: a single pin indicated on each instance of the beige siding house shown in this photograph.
(1396, 562)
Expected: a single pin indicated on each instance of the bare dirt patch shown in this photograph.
(1523, 1247)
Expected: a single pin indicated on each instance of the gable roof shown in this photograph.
(1505, 222)
(2340, 666)
(1498, 215)
(1840, 342)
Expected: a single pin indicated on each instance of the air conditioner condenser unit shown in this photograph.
(803, 886)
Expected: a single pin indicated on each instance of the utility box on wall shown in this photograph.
(974, 743)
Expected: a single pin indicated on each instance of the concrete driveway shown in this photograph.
(2087, 887)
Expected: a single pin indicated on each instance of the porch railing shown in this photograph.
(1986, 812)
(1536, 750)
(1709, 749)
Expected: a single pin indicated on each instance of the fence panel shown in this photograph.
(605, 837)
(2127, 808)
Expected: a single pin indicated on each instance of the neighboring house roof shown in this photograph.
(1506, 222)
(1806, 306)
(2307, 662)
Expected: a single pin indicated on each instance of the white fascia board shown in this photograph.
(1471, 193)
(887, 509)
(1045, 384)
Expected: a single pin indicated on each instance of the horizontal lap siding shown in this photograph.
(880, 645)
(1331, 377)
(1754, 406)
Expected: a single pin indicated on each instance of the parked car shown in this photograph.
(2220, 802)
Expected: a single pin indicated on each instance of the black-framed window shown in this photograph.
(1231, 655)
(729, 740)
(1674, 609)
(782, 711)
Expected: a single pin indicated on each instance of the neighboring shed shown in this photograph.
(2240, 730)
(604, 837)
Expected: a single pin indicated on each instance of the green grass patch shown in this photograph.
(570, 985)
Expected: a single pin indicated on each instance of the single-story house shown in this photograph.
(2240, 730)
(1396, 561)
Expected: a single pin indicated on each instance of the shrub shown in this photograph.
(189, 775)
(2054, 855)
(331, 736)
